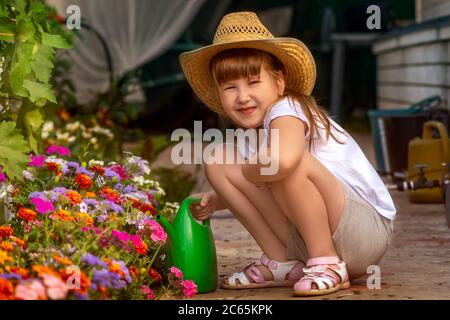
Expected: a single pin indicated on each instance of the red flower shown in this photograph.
(98, 169)
(5, 232)
(155, 275)
(26, 214)
(83, 181)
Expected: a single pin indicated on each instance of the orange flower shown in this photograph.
(43, 269)
(98, 169)
(20, 271)
(19, 242)
(85, 283)
(4, 257)
(134, 271)
(63, 215)
(7, 246)
(90, 194)
(26, 214)
(83, 181)
(5, 231)
(110, 194)
(155, 275)
(6, 290)
(84, 218)
(63, 260)
(74, 197)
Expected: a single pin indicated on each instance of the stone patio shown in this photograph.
(417, 265)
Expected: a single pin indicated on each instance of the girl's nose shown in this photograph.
(243, 97)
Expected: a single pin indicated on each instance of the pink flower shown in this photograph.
(56, 288)
(2, 175)
(177, 272)
(158, 233)
(42, 205)
(62, 151)
(37, 161)
(189, 288)
(30, 290)
(119, 170)
(146, 290)
(121, 236)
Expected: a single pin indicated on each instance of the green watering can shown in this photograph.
(191, 247)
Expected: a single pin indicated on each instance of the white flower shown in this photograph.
(83, 207)
(47, 128)
(28, 175)
(93, 140)
(73, 126)
(56, 160)
(103, 131)
(139, 180)
(93, 162)
(87, 134)
(71, 139)
(62, 136)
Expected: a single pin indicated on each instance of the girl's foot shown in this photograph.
(323, 275)
(265, 273)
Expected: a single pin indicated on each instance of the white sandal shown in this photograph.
(284, 274)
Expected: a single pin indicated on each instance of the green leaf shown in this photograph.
(13, 150)
(54, 40)
(38, 11)
(7, 29)
(30, 120)
(25, 28)
(39, 90)
(42, 64)
(21, 68)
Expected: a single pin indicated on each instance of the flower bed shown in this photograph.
(85, 231)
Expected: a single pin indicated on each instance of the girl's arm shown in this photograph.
(291, 143)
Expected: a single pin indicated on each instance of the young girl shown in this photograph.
(325, 215)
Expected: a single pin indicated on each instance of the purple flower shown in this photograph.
(92, 260)
(83, 170)
(37, 194)
(73, 164)
(111, 174)
(118, 187)
(129, 189)
(42, 205)
(37, 161)
(111, 205)
(56, 192)
(107, 279)
(62, 151)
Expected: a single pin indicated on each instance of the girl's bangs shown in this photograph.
(236, 63)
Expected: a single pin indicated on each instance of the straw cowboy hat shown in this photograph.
(245, 30)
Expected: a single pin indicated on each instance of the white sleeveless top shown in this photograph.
(346, 161)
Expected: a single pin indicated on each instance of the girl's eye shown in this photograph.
(227, 88)
(254, 81)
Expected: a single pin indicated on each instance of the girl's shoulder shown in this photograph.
(284, 107)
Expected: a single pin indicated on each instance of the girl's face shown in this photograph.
(246, 100)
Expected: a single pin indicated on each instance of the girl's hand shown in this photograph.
(207, 206)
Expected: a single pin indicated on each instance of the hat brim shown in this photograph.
(300, 68)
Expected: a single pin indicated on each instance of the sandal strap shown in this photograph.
(238, 276)
(280, 269)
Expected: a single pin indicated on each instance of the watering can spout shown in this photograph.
(167, 226)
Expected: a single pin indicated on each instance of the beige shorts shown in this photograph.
(361, 238)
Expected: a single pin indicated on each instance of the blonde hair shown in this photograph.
(246, 62)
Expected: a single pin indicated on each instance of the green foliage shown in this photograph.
(27, 49)
(13, 149)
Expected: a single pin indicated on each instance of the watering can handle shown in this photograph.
(191, 200)
(426, 134)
